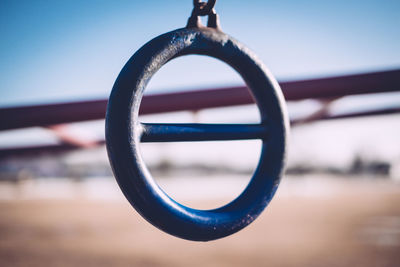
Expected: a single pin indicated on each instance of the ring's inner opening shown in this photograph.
(206, 174)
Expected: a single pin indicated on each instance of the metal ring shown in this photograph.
(203, 8)
(124, 133)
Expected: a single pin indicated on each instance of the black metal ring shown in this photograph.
(123, 132)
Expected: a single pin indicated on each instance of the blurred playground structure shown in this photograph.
(29, 131)
(323, 215)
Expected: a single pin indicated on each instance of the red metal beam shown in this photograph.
(66, 136)
(36, 150)
(335, 87)
(44, 115)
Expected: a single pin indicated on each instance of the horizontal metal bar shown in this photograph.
(350, 115)
(383, 111)
(178, 132)
(44, 115)
(35, 150)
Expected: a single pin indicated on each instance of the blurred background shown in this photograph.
(338, 64)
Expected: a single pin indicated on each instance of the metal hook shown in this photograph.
(203, 9)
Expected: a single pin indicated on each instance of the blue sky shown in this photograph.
(72, 50)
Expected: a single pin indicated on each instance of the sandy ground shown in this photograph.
(342, 222)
